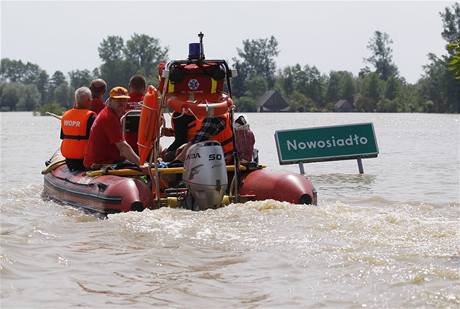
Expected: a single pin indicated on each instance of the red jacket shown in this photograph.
(97, 105)
(244, 139)
(133, 104)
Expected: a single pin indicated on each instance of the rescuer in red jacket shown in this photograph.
(106, 144)
(98, 88)
(136, 88)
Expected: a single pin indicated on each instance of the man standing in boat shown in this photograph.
(106, 144)
(75, 129)
(136, 88)
(98, 88)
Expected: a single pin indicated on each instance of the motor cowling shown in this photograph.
(205, 175)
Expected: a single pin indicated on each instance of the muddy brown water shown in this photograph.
(385, 239)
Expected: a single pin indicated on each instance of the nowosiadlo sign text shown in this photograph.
(326, 143)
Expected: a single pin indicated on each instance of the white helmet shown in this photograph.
(241, 120)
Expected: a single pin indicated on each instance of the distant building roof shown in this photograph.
(343, 106)
(272, 101)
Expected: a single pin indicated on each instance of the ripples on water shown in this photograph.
(254, 254)
(361, 247)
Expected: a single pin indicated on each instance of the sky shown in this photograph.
(332, 36)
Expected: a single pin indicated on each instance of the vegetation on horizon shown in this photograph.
(378, 86)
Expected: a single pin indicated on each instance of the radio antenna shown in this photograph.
(201, 35)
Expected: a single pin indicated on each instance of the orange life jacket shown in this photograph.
(75, 133)
(224, 137)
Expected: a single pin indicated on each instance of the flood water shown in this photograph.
(386, 239)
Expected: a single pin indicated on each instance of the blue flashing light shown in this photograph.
(194, 51)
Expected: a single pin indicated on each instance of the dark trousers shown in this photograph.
(75, 164)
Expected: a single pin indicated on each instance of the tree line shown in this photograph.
(378, 87)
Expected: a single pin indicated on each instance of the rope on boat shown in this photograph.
(54, 115)
(164, 171)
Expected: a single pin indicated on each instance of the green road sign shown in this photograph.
(326, 143)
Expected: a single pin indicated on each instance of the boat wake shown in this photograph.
(367, 245)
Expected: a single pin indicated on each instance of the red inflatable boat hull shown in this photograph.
(107, 194)
(102, 194)
(281, 186)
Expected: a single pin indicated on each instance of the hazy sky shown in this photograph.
(330, 35)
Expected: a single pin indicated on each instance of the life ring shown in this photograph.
(203, 108)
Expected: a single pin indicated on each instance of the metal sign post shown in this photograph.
(360, 166)
(302, 170)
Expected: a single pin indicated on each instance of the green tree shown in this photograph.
(386, 105)
(80, 78)
(257, 86)
(246, 104)
(341, 85)
(239, 81)
(114, 69)
(298, 102)
(439, 84)
(257, 58)
(18, 71)
(11, 70)
(42, 84)
(62, 95)
(313, 84)
(333, 88)
(454, 63)
(308, 81)
(286, 81)
(30, 73)
(29, 98)
(451, 23)
(381, 57)
(364, 104)
(10, 96)
(347, 86)
(392, 87)
(372, 88)
(410, 100)
(144, 53)
(111, 49)
(55, 81)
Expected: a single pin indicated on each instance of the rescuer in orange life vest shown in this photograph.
(190, 130)
(75, 128)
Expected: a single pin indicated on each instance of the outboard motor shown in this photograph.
(205, 175)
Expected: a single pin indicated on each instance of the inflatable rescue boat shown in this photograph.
(207, 179)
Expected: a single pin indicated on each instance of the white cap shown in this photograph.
(241, 120)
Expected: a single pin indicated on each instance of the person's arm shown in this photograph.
(182, 151)
(167, 131)
(114, 134)
(127, 152)
(164, 130)
(90, 122)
